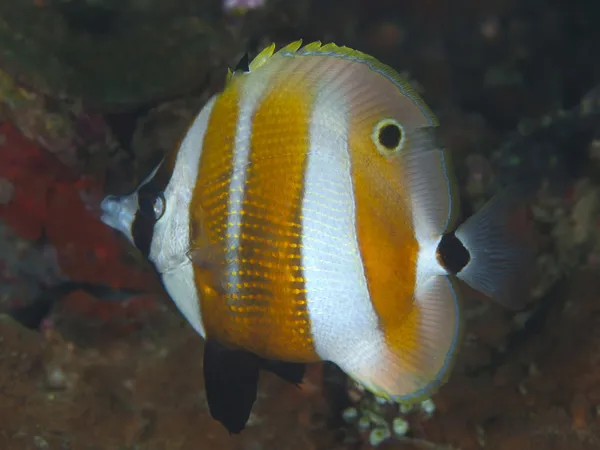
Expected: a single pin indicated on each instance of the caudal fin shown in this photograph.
(499, 240)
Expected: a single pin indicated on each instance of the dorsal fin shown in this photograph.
(243, 65)
(316, 48)
(331, 49)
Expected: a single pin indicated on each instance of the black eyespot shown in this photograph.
(452, 254)
(390, 136)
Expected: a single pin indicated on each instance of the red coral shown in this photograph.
(48, 202)
(23, 164)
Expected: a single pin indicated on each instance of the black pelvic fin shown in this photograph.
(231, 384)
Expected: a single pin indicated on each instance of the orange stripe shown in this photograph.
(273, 293)
(208, 207)
(386, 238)
(266, 313)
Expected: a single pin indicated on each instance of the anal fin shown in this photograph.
(417, 357)
(231, 384)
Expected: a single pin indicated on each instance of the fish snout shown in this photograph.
(119, 212)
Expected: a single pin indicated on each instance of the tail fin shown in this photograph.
(500, 241)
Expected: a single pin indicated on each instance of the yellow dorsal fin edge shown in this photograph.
(331, 49)
(315, 47)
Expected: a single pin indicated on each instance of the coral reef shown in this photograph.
(121, 394)
(93, 93)
(115, 55)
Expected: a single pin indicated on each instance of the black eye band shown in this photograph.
(142, 231)
(151, 206)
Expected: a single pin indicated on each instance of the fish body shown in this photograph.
(309, 214)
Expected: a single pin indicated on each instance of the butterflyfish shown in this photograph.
(310, 214)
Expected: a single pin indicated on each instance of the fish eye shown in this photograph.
(159, 206)
(151, 206)
(388, 136)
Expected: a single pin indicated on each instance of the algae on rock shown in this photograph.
(113, 55)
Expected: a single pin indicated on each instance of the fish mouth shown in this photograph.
(119, 212)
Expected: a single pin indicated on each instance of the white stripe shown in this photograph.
(344, 323)
(171, 241)
(427, 262)
(250, 95)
